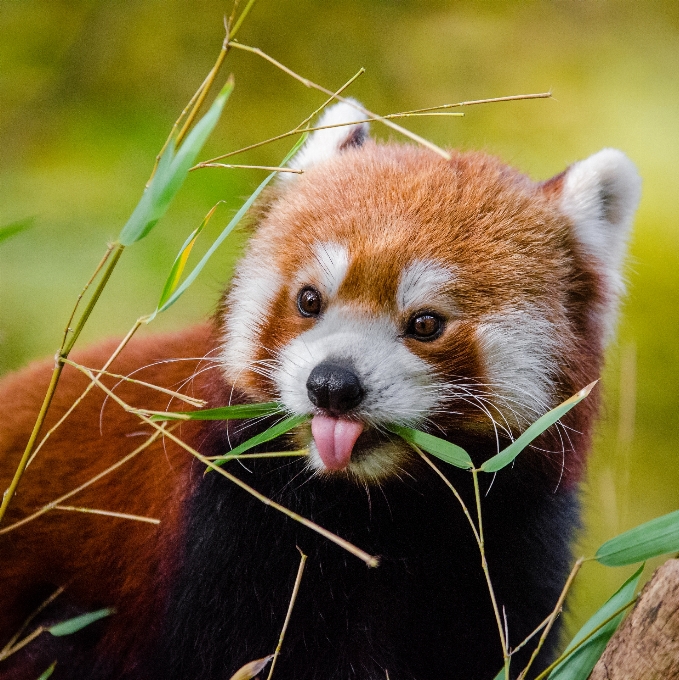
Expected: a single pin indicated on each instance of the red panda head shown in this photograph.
(388, 285)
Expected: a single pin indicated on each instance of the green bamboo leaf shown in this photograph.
(657, 537)
(506, 456)
(227, 230)
(15, 228)
(180, 261)
(77, 623)
(502, 675)
(47, 673)
(235, 412)
(450, 453)
(171, 173)
(273, 432)
(580, 663)
(178, 266)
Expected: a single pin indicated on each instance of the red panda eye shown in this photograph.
(425, 326)
(309, 301)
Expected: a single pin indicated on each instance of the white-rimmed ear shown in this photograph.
(601, 194)
(324, 144)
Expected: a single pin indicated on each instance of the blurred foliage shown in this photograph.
(89, 90)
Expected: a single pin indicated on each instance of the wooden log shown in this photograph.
(646, 646)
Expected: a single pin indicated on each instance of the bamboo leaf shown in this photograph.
(47, 673)
(227, 230)
(450, 453)
(580, 663)
(502, 675)
(77, 623)
(506, 456)
(657, 537)
(236, 412)
(273, 432)
(251, 669)
(15, 228)
(171, 173)
(181, 260)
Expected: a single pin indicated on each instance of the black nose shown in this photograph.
(334, 388)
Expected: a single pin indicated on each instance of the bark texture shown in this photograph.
(646, 646)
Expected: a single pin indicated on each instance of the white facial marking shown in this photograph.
(519, 350)
(421, 283)
(327, 270)
(254, 288)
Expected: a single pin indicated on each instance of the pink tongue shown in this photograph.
(335, 439)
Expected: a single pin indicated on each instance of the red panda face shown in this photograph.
(388, 285)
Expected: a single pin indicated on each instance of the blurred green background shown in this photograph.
(89, 90)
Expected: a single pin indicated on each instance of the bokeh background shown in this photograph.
(90, 88)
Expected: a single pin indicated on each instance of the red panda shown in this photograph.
(383, 285)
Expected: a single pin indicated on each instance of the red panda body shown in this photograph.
(385, 285)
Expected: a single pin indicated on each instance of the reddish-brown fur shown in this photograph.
(102, 559)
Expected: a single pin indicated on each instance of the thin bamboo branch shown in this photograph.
(27, 622)
(531, 635)
(492, 100)
(192, 401)
(56, 374)
(309, 83)
(50, 506)
(300, 129)
(112, 262)
(108, 513)
(269, 454)
(241, 18)
(202, 92)
(486, 571)
(432, 110)
(98, 268)
(446, 481)
(19, 645)
(293, 597)
(370, 560)
(196, 101)
(251, 167)
(86, 391)
(553, 616)
(9, 493)
(297, 131)
(585, 639)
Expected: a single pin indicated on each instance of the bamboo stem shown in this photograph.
(250, 167)
(587, 637)
(297, 130)
(553, 616)
(293, 597)
(19, 645)
(86, 391)
(486, 571)
(446, 481)
(27, 622)
(308, 83)
(112, 262)
(108, 513)
(370, 560)
(96, 478)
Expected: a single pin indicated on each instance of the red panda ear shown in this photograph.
(324, 144)
(600, 195)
